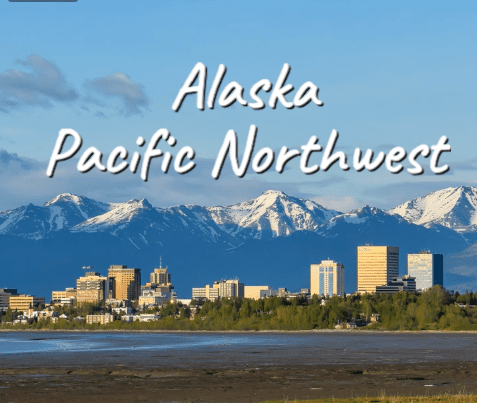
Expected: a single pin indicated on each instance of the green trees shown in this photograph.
(434, 309)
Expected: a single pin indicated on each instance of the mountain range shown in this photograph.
(271, 239)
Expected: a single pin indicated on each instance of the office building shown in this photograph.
(397, 284)
(65, 297)
(126, 282)
(101, 319)
(24, 302)
(229, 288)
(5, 294)
(257, 291)
(327, 278)
(222, 289)
(427, 268)
(160, 275)
(91, 288)
(376, 266)
(206, 292)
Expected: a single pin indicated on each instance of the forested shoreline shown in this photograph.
(434, 309)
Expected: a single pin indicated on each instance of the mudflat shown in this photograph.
(79, 384)
(222, 368)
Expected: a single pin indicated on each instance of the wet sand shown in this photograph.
(221, 374)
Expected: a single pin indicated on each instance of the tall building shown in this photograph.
(376, 266)
(160, 275)
(92, 288)
(427, 268)
(327, 278)
(160, 290)
(126, 282)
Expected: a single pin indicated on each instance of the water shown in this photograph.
(233, 349)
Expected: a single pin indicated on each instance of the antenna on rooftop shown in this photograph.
(160, 262)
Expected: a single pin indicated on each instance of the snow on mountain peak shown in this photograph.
(272, 211)
(452, 207)
(66, 197)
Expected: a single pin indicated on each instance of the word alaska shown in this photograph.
(261, 161)
(233, 91)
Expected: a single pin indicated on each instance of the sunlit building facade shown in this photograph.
(376, 266)
(327, 278)
(427, 268)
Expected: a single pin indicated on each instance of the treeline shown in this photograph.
(434, 309)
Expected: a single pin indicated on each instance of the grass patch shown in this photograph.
(460, 398)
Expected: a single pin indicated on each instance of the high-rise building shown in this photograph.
(91, 288)
(160, 276)
(427, 268)
(376, 266)
(127, 282)
(327, 278)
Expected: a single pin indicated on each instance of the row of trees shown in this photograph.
(434, 309)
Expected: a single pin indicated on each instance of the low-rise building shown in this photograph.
(66, 297)
(5, 294)
(397, 284)
(101, 319)
(257, 291)
(222, 289)
(24, 302)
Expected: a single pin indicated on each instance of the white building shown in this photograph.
(327, 278)
(427, 268)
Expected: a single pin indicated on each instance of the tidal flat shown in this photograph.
(232, 367)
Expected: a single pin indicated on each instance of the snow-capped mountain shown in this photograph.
(259, 240)
(62, 212)
(272, 212)
(454, 208)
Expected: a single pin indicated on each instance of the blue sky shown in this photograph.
(389, 73)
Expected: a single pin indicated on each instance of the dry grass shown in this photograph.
(458, 398)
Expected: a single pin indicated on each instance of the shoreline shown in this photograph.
(310, 331)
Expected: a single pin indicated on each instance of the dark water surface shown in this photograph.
(224, 350)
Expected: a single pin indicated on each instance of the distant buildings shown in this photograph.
(427, 268)
(101, 319)
(159, 291)
(206, 292)
(397, 284)
(92, 288)
(222, 289)
(376, 266)
(126, 282)
(257, 291)
(66, 297)
(5, 294)
(327, 278)
(24, 302)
